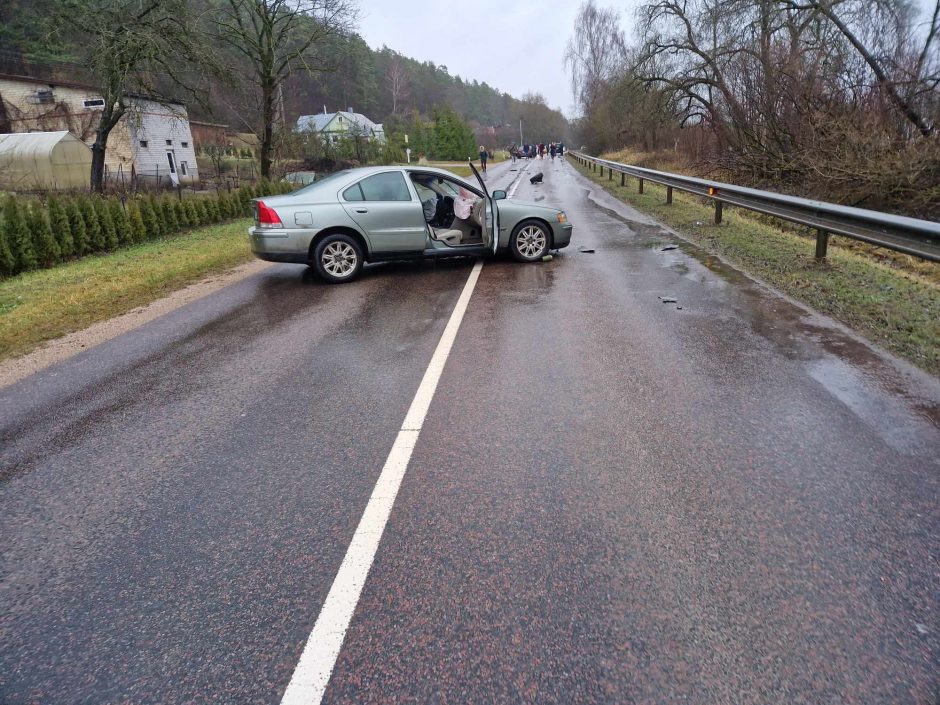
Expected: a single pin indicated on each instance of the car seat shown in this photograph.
(449, 237)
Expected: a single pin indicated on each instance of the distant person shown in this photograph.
(541, 150)
(483, 156)
(513, 151)
(552, 150)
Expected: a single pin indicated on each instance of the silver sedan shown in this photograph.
(374, 214)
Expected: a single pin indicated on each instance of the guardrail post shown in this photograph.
(623, 178)
(610, 174)
(822, 244)
(669, 195)
(718, 212)
(641, 186)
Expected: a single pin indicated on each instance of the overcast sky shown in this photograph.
(514, 45)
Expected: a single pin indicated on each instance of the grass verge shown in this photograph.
(898, 308)
(39, 306)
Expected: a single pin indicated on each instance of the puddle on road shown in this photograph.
(888, 416)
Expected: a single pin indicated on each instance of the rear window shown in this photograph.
(353, 193)
(316, 184)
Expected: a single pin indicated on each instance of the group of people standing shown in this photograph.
(531, 151)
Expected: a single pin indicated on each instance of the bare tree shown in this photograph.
(595, 51)
(840, 14)
(278, 37)
(129, 45)
(396, 78)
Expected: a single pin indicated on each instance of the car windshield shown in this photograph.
(319, 182)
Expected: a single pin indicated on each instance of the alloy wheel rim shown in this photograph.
(530, 241)
(339, 259)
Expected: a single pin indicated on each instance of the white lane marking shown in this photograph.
(515, 184)
(310, 678)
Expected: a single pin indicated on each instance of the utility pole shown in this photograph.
(520, 132)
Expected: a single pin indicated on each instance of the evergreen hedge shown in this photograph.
(36, 233)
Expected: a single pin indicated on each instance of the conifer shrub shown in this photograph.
(169, 215)
(92, 224)
(160, 224)
(122, 224)
(151, 225)
(212, 210)
(223, 204)
(109, 238)
(7, 263)
(203, 213)
(182, 217)
(18, 236)
(44, 242)
(80, 243)
(138, 229)
(61, 227)
(192, 213)
(244, 201)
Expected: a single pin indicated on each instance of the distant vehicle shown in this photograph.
(300, 178)
(374, 214)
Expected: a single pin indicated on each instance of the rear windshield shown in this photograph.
(335, 176)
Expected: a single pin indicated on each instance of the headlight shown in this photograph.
(562, 218)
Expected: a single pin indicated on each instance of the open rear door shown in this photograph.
(491, 220)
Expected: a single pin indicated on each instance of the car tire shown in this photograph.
(337, 258)
(531, 240)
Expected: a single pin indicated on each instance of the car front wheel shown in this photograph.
(338, 258)
(530, 241)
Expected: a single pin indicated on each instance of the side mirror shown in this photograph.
(499, 195)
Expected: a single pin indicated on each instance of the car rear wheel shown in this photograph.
(530, 241)
(337, 258)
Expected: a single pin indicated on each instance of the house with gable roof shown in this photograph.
(333, 127)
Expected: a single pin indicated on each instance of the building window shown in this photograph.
(169, 158)
(143, 144)
(44, 95)
(185, 144)
(169, 143)
(95, 103)
(183, 168)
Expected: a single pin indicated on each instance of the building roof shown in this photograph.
(33, 142)
(316, 123)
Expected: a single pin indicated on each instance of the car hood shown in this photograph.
(528, 205)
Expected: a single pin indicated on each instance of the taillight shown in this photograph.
(267, 217)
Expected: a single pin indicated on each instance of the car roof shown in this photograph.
(360, 171)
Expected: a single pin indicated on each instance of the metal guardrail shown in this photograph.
(920, 238)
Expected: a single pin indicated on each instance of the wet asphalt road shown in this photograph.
(611, 500)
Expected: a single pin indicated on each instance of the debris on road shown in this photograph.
(668, 247)
(547, 258)
(678, 308)
(668, 300)
(537, 179)
(586, 250)
(540, 198)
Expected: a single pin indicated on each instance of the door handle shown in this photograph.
(362, 210)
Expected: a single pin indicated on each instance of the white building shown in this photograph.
(152, 141)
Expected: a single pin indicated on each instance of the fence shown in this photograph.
(919, 238)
